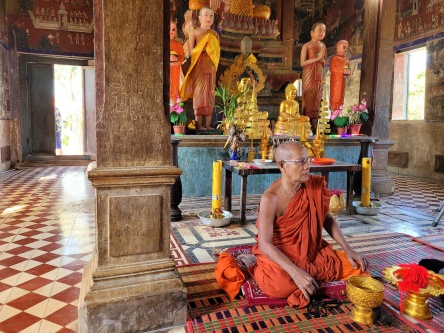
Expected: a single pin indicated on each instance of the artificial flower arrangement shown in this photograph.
(340, 117)
(178, 116)
(358, 113)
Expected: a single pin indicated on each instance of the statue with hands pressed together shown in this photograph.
(313, 59)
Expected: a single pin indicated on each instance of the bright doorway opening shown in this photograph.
(69, 109)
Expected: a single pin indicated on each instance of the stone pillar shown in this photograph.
(382, 183)
(131, 284)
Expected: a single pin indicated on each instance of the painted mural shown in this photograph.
(416, 17)
(55, 27)
(435, 80)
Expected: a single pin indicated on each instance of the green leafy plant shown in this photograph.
(229, 102)
(339, 119)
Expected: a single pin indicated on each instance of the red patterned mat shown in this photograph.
(382, 250)
(436, 240)
(210, 310)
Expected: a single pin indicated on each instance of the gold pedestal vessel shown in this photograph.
(366, 294)
(415, 304)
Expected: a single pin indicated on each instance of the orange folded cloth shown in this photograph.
(229, 275)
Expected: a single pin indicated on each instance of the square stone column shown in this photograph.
(131, 283)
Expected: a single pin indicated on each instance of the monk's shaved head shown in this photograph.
(288, 150)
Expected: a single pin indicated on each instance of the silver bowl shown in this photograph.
(215, 222)
(374, 210)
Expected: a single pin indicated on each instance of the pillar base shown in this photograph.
(132, 299)
(382, 182)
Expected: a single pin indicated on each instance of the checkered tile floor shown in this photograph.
(47, 235)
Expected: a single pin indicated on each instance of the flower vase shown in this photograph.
(354, 128)
(342, 130)
(179, 130)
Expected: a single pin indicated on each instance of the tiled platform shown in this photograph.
(47, 235)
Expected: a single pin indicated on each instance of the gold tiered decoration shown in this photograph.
(324, 114)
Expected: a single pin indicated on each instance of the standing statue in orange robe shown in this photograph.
(340, 70)
(292, 257)
(313, 58)
(176, 58)
(200, 81)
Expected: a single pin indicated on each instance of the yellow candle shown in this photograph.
(366, 181)
(217, 189)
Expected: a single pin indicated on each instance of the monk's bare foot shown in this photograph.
(248, 259)
(200, 127)
(209, 128)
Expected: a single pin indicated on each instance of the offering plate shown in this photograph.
(415, 304)
(366, 294)
(213, 222)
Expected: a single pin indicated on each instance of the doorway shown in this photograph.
(68, 109)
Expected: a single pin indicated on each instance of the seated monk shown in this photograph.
(292, 257)
(289, 121)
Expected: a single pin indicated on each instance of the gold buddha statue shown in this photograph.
(290, 122)
(247, 110)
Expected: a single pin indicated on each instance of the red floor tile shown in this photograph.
(41, 269)
(75, 265)
(27, 240)
(66, 330)
(34, 284)
(71, 279)
(7, 272)
(26, 301)
(19, 250)
(54, 238)
(18, 323)
(51, 247)
(4, 286)
(11, 261)
(64, 316)
(68, 295)
(46, 257)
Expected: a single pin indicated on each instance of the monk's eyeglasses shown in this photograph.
(300, 162)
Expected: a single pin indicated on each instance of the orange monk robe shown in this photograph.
(200, 81)
(176, 49)
(298, 235)
(337, 81)
(312, 77)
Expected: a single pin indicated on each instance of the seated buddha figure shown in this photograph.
(247, 110)
(289, 121)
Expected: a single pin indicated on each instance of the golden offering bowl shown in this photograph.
(415, 304)
(366, 294)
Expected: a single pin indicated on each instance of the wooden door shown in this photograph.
(41, 108)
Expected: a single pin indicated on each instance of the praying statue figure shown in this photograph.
(289, 121)
(313, 58)
(340, 70)
(176, 59)
(200, 80)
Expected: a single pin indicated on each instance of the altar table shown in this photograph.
(273, 168)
